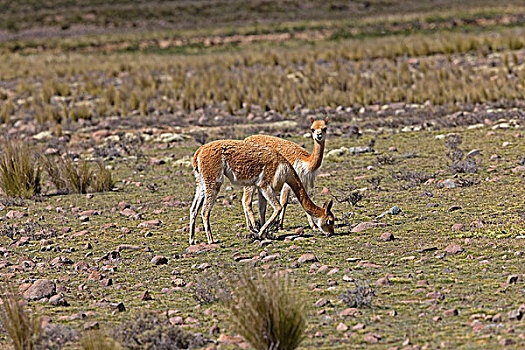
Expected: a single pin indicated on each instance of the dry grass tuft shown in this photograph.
(98, 340)
(23, 329)
(19, 171)
(266, 311)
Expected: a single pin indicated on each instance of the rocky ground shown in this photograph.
(428, 251)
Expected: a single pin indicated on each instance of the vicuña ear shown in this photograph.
(326, 120)
(312, 120)
(328, 205)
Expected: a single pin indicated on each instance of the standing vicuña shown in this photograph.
(305, 164)
(248, 164)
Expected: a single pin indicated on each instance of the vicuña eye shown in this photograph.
(313, 130)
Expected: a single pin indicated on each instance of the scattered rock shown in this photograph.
(454, 208)
(450, 312)
(506, 342)
(392, 211)
(106, 282)
(149, 223)
(159, 260)
(306, 258)
(473, 153)
(145, 296)
(387, 237)
(372, 338)
(42, 288)
(177, 320)
(322, 302)
(358, 327)
(91, 325)
(15, 214)
(351, 311)
(127, 247)
(58, 300)
(458, 227)
(453, 249)
(515, 315)
(201, 248)
(383, 281)
(341, 327)
(513, 279)
(362, 226)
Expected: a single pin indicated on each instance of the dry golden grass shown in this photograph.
(266, 311)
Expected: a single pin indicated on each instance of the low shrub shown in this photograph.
(23, 329)
(266, 311)
(19, 171)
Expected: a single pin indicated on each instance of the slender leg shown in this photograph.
(247, 206)
(311, 222)
(209, 200)
(194, 210)
(285, 193)
(274, 202)
(262, 206)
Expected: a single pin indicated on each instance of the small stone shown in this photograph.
(106, 282)
(42, 288)
(351, 311)
(159, 260)
(436, 318)
(58, 300)
(306, 258)
(458, 227)
(506, 342)
(359, 327)
(513, 279)
(387, 237)
(392, 313)
(91, 325)
(341, 327)
(322, 302)
(177, 320)
(372, 338)
(214, 330)
(362, 226)
(145, 296)
(515, 315)
(450, 312)
(299, 231)
(473, 153)
(454, 208)
(453, 249)
(149, 223)
(383, 281)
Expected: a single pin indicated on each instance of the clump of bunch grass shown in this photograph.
(360, 296)
(19, 171)
(77, 177)
(266, 311)
(98, 340)
(23, 329)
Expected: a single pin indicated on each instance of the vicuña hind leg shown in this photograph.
(209, 200)
(247, 206)
(274, 202)
(285, 193)
(198, 200)
(262, 206)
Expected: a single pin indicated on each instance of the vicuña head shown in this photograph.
(318, 129)
(248, 164)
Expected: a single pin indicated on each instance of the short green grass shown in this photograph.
(471, 282)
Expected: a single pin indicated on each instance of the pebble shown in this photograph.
(159, 260)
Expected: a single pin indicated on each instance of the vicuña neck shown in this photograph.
(316, 158)
(298, 189)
